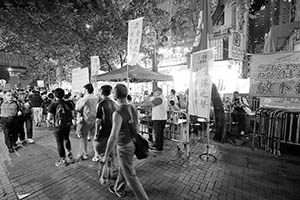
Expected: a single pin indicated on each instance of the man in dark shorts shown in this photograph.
(105, 109)
(62, 113)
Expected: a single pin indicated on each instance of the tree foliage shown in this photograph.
(66, 33)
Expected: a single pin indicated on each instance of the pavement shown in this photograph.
(239, 173)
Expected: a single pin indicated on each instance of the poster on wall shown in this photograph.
(80, 77)
(275, 75)
(236, 47)
(200, 83)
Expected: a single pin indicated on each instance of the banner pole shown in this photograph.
(127, 70)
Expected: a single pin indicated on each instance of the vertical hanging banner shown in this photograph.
(95, 67)
(200, 83)
(134, 40)
(80, 77)
(204, 27)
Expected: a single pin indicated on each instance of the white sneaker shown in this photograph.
(30, 141)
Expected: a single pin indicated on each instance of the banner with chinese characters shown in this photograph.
(95, 66)
(236, 47)
(275, 75)
(200, 83)
(80, 77)
(134, 40)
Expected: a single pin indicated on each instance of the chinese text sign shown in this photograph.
(275, 75)
(95, 66)
(134, 40)
(200, 83)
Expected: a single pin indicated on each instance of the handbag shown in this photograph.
(141, 144)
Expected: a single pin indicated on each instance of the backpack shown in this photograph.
(63, 115)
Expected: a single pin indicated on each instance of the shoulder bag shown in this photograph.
(141, 144)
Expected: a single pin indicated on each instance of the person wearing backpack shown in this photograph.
(62, 113)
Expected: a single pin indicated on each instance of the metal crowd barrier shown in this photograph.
(274, 126)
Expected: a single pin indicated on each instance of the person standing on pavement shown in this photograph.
(159, 118)
(27, 118)
(87, 107)
(62, 113)
(219, 114)
(8, 119)
(36, 102)
(122, 136)
(105, 109)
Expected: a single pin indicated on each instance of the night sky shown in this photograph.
(257, 5)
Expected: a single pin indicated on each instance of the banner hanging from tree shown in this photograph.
(95, 67)
(80, 77)
(134, 40)
(200, 83)
(275, 75)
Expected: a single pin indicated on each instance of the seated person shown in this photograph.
(172, 106)
(240, 108)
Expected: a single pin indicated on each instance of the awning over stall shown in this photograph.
(136, 74)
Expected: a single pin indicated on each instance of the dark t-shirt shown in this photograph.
(105, 110)
(125, 134)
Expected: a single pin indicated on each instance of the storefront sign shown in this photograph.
(173, 56)
(275, 75)
(134, 40)
(200, 83)
(80, 77)
(236, 50)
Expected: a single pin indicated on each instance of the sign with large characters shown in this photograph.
(134, 40)
(200, 83)
(236, 50)
(95, 66)
(80, 77)
(275, 75)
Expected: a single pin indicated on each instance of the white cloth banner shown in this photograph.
(134, 40)
(95, 66)
(200, 83)
(80, 77)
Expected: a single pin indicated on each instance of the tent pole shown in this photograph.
(127, 76)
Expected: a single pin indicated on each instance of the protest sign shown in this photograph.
(80, 77)
(134, 40)
(200, 83)
(275, 75)
(95, 66)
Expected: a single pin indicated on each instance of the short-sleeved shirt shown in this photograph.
(105, 110)
(53, 105)
(88, 107)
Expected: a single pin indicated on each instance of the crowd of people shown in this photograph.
(103, 120)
